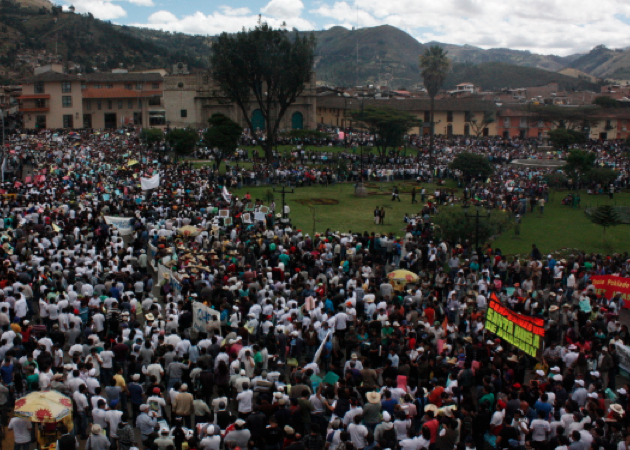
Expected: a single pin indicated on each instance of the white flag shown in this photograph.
(150, 183)
(226, 195)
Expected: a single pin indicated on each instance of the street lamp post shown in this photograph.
(477, 215)
(284, 192)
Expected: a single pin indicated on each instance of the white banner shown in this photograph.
(122, 224)
(202, 314)
(150, 183)
(624, 357)
(321, 347)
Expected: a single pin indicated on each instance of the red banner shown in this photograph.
(609, 285)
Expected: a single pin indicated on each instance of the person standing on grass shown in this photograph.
(413, 195)
(395, 194)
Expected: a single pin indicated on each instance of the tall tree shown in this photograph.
(604, 216)
(182, 140)
(266, 68)
(388, 125)
(434, 66)
(472, 165)
(222, 137)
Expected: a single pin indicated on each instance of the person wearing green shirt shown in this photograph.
(258, 358)
(285, 258)
(32, 379)
(488, 396)
(386, 332)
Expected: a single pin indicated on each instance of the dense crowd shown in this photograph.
(309, 346)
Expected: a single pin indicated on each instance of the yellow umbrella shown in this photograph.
(403, 275)
(189, 230)
(48, 406)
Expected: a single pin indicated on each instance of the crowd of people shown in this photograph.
(310, 346)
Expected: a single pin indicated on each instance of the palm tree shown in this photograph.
(434, 67)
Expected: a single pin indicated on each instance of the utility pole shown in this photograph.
(284, 191)
(2, 154)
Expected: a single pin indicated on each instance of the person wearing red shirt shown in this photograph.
(435, 396)
(433, 425)
(430, 313)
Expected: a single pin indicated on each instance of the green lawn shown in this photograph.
(561, 227)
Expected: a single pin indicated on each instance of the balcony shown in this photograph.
(28, 109)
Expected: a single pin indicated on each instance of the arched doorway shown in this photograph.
(297, 121)
(258, 121)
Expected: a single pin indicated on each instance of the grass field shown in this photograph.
(560, 226)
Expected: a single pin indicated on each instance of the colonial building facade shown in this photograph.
(191, 99)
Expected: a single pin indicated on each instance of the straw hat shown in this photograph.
(373, 397)
(431, 407)
(149, 317)
(617, 408)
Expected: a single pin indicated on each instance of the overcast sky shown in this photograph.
(558, 27)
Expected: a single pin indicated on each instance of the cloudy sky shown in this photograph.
(542, 26)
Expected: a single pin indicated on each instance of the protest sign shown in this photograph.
(609, 285)
(522, 331)
(122, 224)
(203, 314)
(150, 183)
(624, 357)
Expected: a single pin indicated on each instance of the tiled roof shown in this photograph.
(121, 77)
(51, 76)
(409, 104)
(117, 93)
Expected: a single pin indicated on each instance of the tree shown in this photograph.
(580, 160)
(472, 165)
(479, 125)
(388, 125)
(604, 216)
(563, 138)
(222, 137)
(266, 68)
(152, 135)
(182, 140)
(566, 117)
(434, 66)
(453, 226)
(601, 175)
(606, 102)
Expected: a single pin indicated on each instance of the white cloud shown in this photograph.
(541, 26)
(104, 10)
(229, 19)
(283, 9)
(142, 2)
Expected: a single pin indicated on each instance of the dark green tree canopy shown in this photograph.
(453, 226)
(472, 165)
(564, 138)
(605, 216)
(580, 160)
(183, 140)
(566, 117)
(265, 69)
(606, 102)
(387, 124)
(152, 135)
(222, 137)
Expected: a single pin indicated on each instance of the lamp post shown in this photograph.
(477, 215)
(284, 192)
(360, 190)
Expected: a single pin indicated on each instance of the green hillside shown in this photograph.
(495, 75)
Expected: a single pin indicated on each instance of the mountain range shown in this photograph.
(382, 55)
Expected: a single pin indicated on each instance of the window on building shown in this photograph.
(157, 118)
(128, 86)
(40, 121)
(87, 120)
(110, 104)
(466, 130)
(468, 116)
(66, 101)
(541, 124)
(120, 103)
(427, 116)
(38, 88)
(98, 86)
(129, 104)
(109, 86)
(67, 121)
(139, 86)
(523, 122)
(66, 87)
(506, 122)
(140, 103)
(155, 86)
(99, 105)
(88, 104)
(40, 103)
(183, 113)
(155, 100)
(449, 116)
(83, 86)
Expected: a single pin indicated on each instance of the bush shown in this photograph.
(601, 175)
(453, 226)
(556, 179)
(151, 135)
